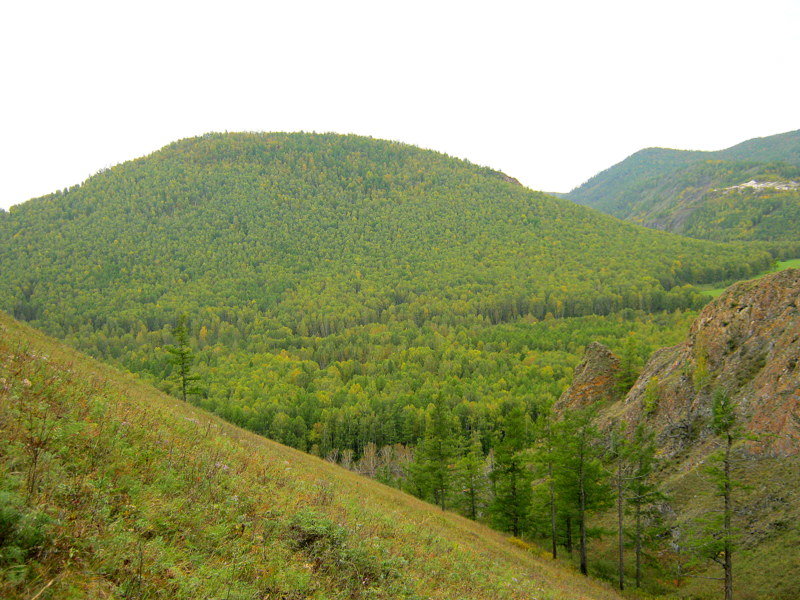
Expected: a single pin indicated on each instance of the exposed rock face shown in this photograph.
(595, 379)
(746, 342)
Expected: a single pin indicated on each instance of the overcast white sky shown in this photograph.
(548, 92)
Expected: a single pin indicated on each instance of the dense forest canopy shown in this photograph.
(324, 232)
(339, 279)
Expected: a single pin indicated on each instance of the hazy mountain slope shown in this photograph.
(746, 343)
(111, 489)
(613, 190)
(783, 147)
(688, 191)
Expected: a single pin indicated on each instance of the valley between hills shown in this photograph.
(470, 389)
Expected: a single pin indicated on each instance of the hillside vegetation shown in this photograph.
(345, 295)
(337, 279)
(323, 232)
(111, 489)
(701, 194)
(743, 346)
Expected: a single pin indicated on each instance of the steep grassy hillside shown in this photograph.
(699, 194)
(111, 489)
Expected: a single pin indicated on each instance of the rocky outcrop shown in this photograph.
(747, 343)
(594, 380)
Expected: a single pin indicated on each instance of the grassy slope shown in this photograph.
(135, 494)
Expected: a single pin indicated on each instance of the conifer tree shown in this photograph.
(544, 456)
(643, 495)
(432, 469)
(724, 424)
(619, 451)
(471, 477)
(628, 366)
(581, 480)
(716, 536)
(511, 475)
(182, 359)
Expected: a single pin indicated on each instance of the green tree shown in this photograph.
(471, 477)
(182, 358)
(432, 470)
(619, 453)
(716, 537)
(544, 456)
(581, 479)
(511, 475)
(643, 495)
(628, 365)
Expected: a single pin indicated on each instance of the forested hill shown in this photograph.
(697, 193)
(323, 232)
(337, 287)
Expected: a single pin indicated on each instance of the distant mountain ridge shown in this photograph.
(679, 190)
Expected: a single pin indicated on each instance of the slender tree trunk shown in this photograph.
(473, 508)
(728, 550)
(183, 383)
(569, 535)
(582, 528)
(620, 533)
(638, 545)
(553, 532)
(515, 522)
(582, 517)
